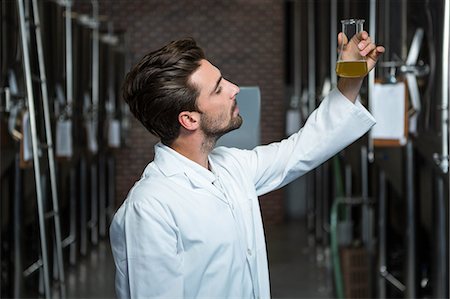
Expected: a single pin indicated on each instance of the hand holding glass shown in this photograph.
(350, 63)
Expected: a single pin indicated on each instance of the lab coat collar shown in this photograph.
(172, 163)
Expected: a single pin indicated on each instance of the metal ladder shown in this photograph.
(42, 263)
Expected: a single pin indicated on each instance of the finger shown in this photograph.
(363, 35)
(369, 48)
(364, 43)
(377, 52)
(380, 49)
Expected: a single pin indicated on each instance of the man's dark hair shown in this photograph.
(158, 88)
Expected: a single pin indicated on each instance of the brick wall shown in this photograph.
(244, 38)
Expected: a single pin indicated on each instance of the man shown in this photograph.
(191, 226)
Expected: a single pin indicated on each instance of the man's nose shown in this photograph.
(235, 90)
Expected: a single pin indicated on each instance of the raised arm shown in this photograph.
(335, 124)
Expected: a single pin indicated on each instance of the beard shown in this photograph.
(214, 129)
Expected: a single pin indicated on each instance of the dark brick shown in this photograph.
(242, 37)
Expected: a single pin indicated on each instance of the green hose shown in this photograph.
(335, 249)
(338, 176)
(339, 182)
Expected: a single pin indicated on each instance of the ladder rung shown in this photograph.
(67, 241)
(392, 279)
(36, 78)
(31, 23)
(58, 283)
(50, 214)
(45, 145)
(17, 95)
(31, 269)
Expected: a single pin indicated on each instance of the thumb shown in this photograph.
(342, 39)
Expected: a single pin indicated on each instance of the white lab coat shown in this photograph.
(185, 231)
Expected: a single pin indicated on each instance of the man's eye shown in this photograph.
(219, 89)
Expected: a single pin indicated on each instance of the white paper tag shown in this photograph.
(388, 108)
(27, 145)
(64, 146)
(114, 133)
(92, 136)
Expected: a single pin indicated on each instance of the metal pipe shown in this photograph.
(111, 108)
(7, 99)
(338, 280)
(333, 42)
(83, 206)
(17, 218)
(95, 107)
(348, 188)
(441, 286)
(35, 142)
(382, 233)
(348, 180)
(333, 79)
(111, 75)
(326, 206)
(95, 56)
(102, 194)
(111, 186)
(367, 215)
(445, 94)
(445, 78)
(94, 203)
(404, 29)
(311, 58)
(386, 29)
(371, 76)
(296, 56)
(310, 180)
(69, 58)
(73, 216)
(411, 224)
(365, 195)
(310, 204)
(319, 203)
(312, 100)
(445, 87)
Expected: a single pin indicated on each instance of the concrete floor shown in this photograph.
(295, 270)
(93, 277)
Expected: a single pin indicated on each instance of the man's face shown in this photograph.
(216, 102)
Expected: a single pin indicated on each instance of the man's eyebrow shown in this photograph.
(217, 84)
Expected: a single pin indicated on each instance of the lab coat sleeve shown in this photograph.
(335, 124)
(146, 252)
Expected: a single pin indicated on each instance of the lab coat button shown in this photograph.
(249, 251)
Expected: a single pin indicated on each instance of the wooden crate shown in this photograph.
(355, 272)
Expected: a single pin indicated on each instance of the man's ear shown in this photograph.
(189, 120)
